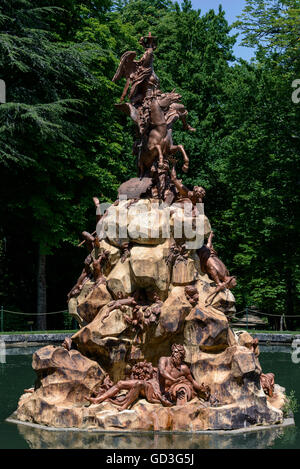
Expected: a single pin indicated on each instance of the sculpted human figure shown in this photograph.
(91, 275)
(120, 304)
(177, 253)
(139, 73)
(153, 112)
(214, 268)
(267, 382)
(152, 312)
(176, 380)
(82, 279)
(98, 268)
(142, 383)
(92, 267)
(125, 249)
(194, 196)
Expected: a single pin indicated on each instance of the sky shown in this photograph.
(232, 8)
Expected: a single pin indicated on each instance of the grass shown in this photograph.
(37, 332)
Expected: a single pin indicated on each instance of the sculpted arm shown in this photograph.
(162, 368)
(78, 285)
(183, 191)
(209, 243)
(189, 376)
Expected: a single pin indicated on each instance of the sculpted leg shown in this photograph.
(160, 156)
(185, 167)
(112, 392)
(131, 397)
(174, 149)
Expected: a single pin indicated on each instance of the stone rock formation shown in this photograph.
(110, 343)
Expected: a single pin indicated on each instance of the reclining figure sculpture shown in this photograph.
(170, 384)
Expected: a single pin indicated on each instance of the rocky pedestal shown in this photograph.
(159, 311)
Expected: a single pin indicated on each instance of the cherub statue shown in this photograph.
(98, 268)
(82, 279)
(120, 304)
(152, 312)
(177, 253)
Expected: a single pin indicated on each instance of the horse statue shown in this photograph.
(154, 113)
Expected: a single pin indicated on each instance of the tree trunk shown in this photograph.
(41, 292)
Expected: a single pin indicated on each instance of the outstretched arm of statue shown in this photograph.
(78, 285)
(98, 209)
(183, 191)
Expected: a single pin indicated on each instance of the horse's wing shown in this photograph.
(127, 66)
(129, 110)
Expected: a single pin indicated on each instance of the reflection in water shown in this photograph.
(44, 439)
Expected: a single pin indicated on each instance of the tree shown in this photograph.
(54, 89)
(272, 25)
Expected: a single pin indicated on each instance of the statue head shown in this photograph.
(178, 354)
(199, 193)
(231, 283)
(192, 294)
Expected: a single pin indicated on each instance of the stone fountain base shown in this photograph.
(145, 417)
(65, 377)
(165, 294)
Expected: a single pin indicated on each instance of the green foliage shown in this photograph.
(272, 24)
(61, 140)
(291, 404)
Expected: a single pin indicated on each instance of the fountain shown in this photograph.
(154, 350)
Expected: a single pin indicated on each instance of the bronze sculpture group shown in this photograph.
(152, 310)
(154, 114)
(170, 384)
